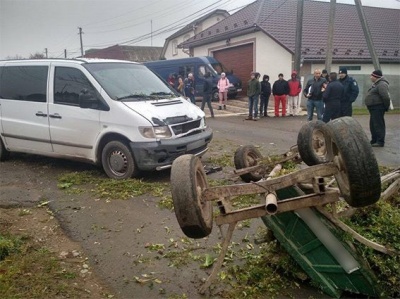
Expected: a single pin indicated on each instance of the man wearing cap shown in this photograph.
(350, 92)
(378, 102)
(313, 92)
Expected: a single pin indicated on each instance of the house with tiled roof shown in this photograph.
(261, 37)
(171, 50)
(131, 53)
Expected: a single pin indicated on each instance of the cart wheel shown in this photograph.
(358, 179)
(246, 156)
(313, 141)
(188, 180)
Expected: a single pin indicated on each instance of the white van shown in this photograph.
(113, 113)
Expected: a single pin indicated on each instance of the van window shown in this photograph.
(185, 70)
(201, 71)
(24, 83)
(175, 47)
(68, 84)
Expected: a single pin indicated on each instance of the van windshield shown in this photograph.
(129, 82)
(219, 68)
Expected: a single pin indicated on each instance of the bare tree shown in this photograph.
(37, 55)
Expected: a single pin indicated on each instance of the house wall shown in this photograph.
(269, 57)
(366, 69)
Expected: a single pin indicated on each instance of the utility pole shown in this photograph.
(299, 33)
(332, 11)
(45, 51)
(367, 34)
(80, 36)
(151, 32)
(65, 53)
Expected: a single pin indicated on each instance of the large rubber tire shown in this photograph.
(4, 154)
(188, 180)
(313, 143)
(118, 161)
(246, 156)
(358, 179)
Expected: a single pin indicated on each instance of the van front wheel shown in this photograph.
(118, 162)
(215, 96)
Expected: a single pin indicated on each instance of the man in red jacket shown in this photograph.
(294, 91)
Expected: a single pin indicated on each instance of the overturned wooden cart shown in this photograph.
(293, 205)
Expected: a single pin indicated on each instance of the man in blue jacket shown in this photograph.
(350, 92)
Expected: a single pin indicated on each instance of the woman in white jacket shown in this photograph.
(223, 85)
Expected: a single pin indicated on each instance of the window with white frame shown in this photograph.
(174, 47)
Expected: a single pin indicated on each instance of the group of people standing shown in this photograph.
(331, 95)
(282, 90)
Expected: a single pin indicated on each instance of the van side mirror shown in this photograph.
(87, 99)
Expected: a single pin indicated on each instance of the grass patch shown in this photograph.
(31, 271)
(106, 188)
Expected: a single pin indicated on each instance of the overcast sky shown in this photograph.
(29, 26)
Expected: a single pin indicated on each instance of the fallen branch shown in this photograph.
(357, 236)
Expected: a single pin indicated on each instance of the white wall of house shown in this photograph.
(172, 52)
(269, 57)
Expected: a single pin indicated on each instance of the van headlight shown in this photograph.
(203, 122)
(155, 132)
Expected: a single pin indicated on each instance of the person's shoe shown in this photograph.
(212, 115)
(291, 114)
(256, 118)
(249, 118)
(219, 108)
(377, 145)
(224, 107)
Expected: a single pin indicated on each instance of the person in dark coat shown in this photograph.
(280, 90)
(332, 96)
(207, 92)
(264, 96)
(350, 93)
(190, 87)
(378, 102)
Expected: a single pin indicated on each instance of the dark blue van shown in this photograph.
(169, 70)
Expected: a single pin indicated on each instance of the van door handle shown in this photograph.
(40, 113)
(56, 115)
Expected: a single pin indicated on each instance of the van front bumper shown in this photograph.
(160, 154)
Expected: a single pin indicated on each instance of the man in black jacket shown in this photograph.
(207, 92)
(313, 92)
(280, 90)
